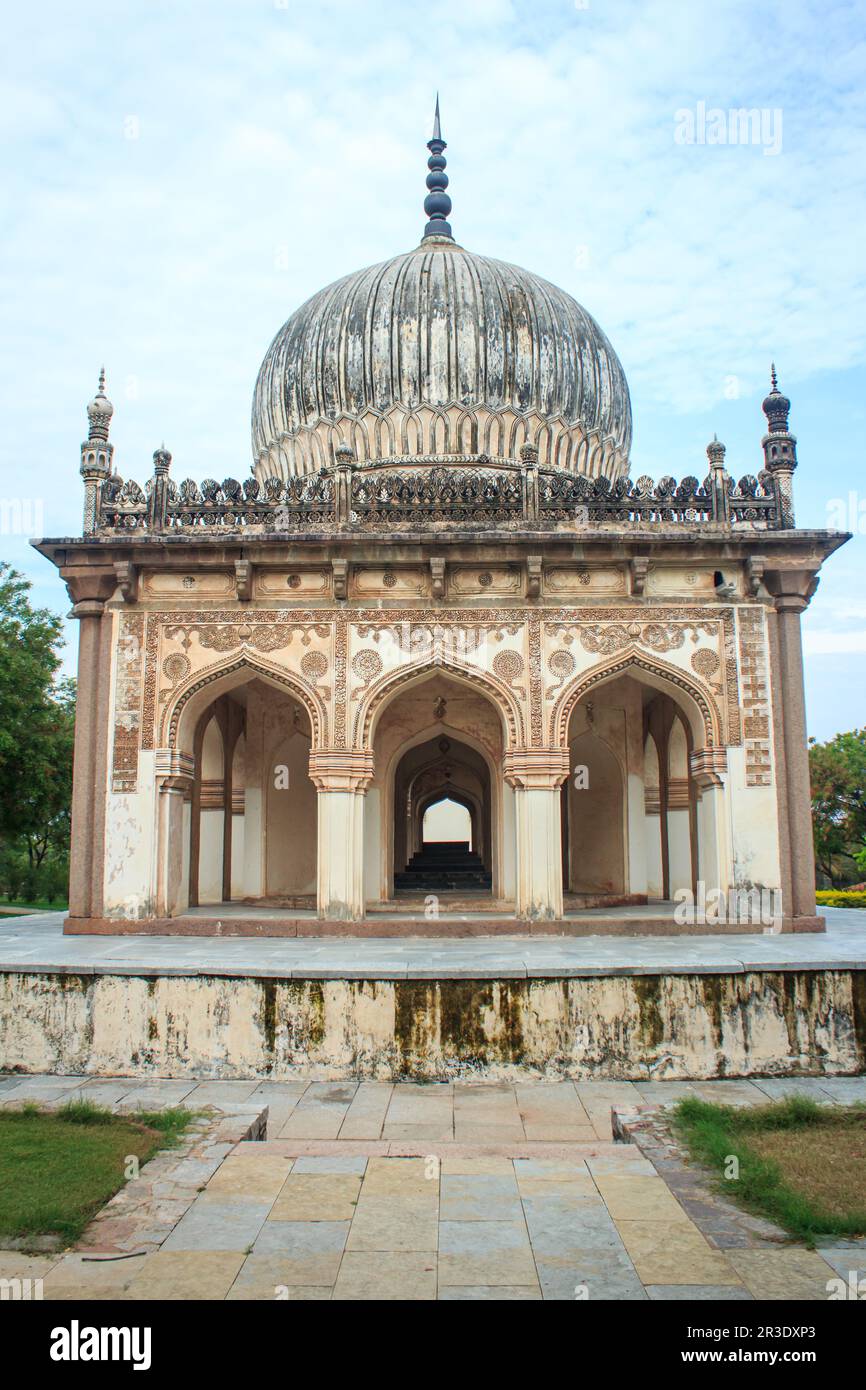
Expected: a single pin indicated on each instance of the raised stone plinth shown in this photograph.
(619, 1009)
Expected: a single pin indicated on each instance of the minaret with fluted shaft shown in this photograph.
(437, 204)
(780, 448)
(96, 455)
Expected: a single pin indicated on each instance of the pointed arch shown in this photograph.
(703, 715)
(379, 695)
(176, 722)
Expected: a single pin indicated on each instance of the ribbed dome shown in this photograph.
(441, 354)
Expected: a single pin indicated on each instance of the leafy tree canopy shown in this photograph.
(36, 721)
(838, 772)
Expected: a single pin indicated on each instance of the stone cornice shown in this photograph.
(276, 548)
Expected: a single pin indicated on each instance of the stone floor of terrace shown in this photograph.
(36, 943)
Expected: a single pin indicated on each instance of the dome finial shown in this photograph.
(437, 204)
(99, 412)
(776, 407)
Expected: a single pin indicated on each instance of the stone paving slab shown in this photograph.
(486, 1213)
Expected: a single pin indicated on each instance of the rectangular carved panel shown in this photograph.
(196, 584)
(127, 702)
(291, 583)
(755, 697)
(561, 581)
(387, 582)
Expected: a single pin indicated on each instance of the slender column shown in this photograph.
(708, 768)
(174, 773)
(231, 733)
(679, 834)
(89, 592)
(341, 777)
(792, 592)
(537, 775)
(195, 811)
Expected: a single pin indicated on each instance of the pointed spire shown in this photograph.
(776, 407)
(100, 411)
(437, 204)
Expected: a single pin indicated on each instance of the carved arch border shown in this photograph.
(293, 684)
(489, 685)
(620, 665)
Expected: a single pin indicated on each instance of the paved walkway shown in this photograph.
(454, 1191)
(37, 944)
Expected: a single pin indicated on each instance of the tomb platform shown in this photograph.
(521, 1005)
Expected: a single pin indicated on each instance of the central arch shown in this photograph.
(383, 691)
(437, 770)
(435, 731)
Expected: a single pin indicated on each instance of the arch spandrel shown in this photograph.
(705, 718)
(378, 696)
(175, 723)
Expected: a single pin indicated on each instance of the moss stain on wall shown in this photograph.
(618, 1027)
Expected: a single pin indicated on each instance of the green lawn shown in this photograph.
(14, 909)
(801, 1165)
(58, 1168)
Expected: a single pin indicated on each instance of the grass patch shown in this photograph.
(14, 909)
(801, 1165)
(59, 1167)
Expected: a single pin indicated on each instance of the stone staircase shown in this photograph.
(444, 866)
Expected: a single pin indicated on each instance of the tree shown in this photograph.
(838, 772)
(37, 718)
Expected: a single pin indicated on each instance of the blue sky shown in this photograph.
(178, 177)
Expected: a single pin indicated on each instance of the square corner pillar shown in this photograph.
(90, 588)
(792, 591)
(537, 775)
(341, 778)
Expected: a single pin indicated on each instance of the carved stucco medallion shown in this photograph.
(509, 667)
(561, 664)
(367, 666)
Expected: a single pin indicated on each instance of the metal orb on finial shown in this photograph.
(437, 204)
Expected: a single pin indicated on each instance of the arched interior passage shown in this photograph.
(437, 740)
(442, 772)
(629, 806)
(253, 813)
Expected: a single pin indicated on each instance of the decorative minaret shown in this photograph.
(157, 503)
(437, 204)
(96, 455)
(780, 448)
(718, 478)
